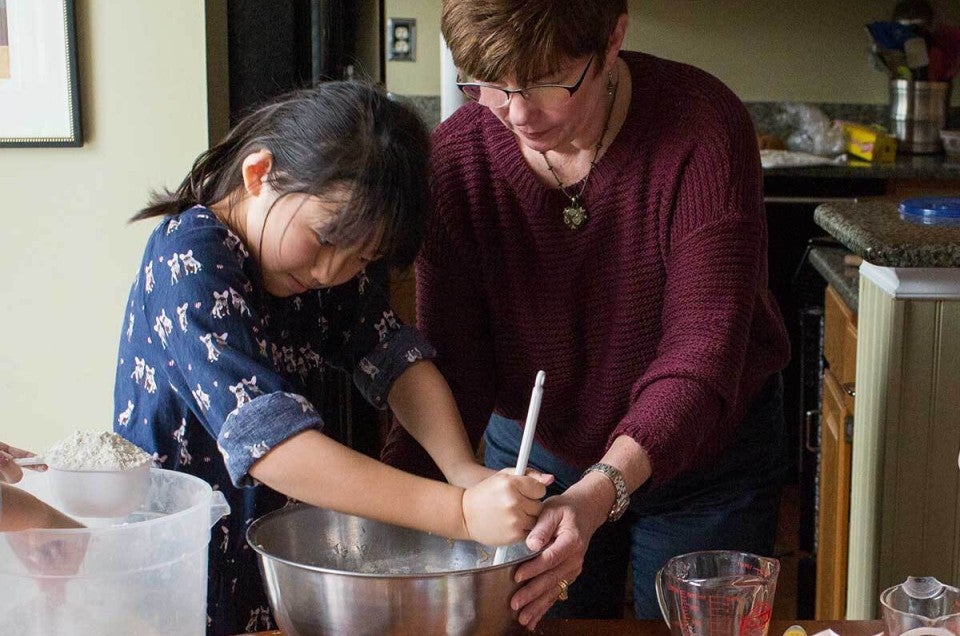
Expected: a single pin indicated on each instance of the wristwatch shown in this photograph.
(615, 476)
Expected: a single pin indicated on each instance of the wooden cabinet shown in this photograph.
(833, 520)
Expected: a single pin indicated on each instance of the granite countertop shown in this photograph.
(875, 231)
(934, 167)
(829, 261)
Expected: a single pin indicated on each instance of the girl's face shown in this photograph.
(293, 258)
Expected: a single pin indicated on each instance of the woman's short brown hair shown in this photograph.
(526, 39)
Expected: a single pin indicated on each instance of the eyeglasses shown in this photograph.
(546, 96)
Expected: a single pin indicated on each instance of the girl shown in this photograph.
(251, 288)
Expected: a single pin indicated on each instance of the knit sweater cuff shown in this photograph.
(677, 421)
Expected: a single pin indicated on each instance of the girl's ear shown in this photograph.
(256, 167)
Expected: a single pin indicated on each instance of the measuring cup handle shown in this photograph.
(661, 598)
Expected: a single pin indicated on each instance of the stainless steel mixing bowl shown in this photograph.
(330, 573)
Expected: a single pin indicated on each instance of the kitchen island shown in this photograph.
(904, 484)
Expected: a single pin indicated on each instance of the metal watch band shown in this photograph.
(615, 476)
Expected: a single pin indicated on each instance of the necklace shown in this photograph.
(575, 215)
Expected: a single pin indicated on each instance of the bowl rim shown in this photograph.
(294, 508)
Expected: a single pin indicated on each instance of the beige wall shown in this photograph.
(67, 255)
(765, 50)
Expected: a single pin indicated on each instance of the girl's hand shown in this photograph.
(10, 472)
(501, 509)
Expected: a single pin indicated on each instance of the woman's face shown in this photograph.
(547, 128)
(292, 256)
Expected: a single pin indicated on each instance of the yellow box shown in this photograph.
(872, 144)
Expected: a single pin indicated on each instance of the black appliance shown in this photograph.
(790, 201)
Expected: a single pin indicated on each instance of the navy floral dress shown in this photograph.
(213, 372)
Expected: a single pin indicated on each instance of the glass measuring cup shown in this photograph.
(921, 606)
(718, 592)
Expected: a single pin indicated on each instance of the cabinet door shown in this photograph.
(833, 520)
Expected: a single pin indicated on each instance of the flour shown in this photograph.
(95, 450)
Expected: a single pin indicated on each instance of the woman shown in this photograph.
(252, 288)
(599, 215)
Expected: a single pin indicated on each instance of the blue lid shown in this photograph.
(931, 210)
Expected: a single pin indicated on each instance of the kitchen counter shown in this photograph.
(875, 231)
(629, 627)
(829, 262)
(929, 167)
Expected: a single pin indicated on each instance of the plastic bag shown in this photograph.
(814, 132)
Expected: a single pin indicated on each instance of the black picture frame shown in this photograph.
(59, 96)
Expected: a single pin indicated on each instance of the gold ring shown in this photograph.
(563, 590)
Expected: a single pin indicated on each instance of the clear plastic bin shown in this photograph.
(143, 575)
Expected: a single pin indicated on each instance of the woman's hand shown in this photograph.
(564, 529)
(502, 509)
(10, 472)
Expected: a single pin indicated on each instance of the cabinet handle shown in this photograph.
(850, 388)
(807, 427)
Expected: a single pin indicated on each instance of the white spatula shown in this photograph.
(526, 443)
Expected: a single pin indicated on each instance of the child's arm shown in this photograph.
(423, 404)
(19, 510)
(314, 468)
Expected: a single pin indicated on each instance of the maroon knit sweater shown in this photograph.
(652, 320)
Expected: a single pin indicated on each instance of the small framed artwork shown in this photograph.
(39, 97)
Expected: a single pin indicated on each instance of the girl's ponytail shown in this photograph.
(215, 173)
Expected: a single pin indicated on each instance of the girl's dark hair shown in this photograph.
(340, 133)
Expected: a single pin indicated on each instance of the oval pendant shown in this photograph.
(574, 215)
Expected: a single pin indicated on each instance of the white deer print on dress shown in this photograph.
(180, 436)
(297, 303)
(124, 418)
(235, 245)
(362, 281)
(212, 341)
(190, 264)
(251, 385)
(163, 326)
(174, 265)
(369, 368)
(172, 226)
(240, 393)
(259, 449)
(148, 277)
(139, 368)
(414, 354)
(203, 400)
(238, 302)
(221, 306)
(129, 327)
(182, 316)
(304, 403)
(149, 380)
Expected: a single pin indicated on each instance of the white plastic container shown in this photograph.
(144, 575)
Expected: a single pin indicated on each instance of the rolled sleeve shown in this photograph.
(376, 372)
(244, 439)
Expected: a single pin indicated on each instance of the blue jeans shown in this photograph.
(731, 504)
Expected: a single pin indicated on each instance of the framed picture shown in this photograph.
(39, 97)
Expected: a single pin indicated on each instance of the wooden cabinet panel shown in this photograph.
(833, 522)
(833, 519)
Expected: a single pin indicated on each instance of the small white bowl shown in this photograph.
(951, 142)
(100, 493)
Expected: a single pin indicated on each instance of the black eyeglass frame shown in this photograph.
(510, 92)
